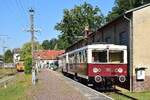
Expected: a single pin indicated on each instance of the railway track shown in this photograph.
(6, 80)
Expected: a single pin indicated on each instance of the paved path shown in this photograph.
(52, 86)
(91, 94)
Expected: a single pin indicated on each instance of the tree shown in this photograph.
(1, 56)
(26, 50)
(8, 56)
(26, 55)
(52, 43)
(49, 44)
(28, 65)
(74, 22)
(46, 45)
(123, 5)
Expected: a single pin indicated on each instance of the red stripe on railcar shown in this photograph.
(107, 69)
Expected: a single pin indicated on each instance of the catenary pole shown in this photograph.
(32, 30)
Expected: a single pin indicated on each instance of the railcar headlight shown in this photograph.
(95, 70)
(120, 70)
(98, 79)
(122, 78)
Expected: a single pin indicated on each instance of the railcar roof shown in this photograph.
(109, 46)
(102, 47)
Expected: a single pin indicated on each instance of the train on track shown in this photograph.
(100, 64)
(20, 67)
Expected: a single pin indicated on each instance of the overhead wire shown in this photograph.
(10, 8)
(13, 5)
(22, 8)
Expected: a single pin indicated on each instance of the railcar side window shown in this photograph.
(85, 56)
(80, 57)
(71, 58)
(75, 58)
(99, 56)
(116, 56)
(63, 62)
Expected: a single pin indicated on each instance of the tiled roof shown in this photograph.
(47, 54)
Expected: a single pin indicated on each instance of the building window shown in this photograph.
(123, 38)
(108, 40)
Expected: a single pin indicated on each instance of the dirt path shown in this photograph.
(52, 87)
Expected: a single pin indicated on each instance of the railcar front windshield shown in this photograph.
(99, 56)
(107, 56)
(115, 56)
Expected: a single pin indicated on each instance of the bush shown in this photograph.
(28, 65)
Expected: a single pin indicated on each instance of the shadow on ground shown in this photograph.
(108, 91)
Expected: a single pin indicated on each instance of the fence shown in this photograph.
(9, 65)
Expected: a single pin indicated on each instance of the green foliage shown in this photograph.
(52, 43)
(74, 22)
(123, 5)
(45, 45)
(1, 56)
(26, 50)
(26, 55)
(49, 44)
(62, 43)
(8, 56)
(28, 65)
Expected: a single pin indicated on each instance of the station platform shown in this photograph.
(54, 86)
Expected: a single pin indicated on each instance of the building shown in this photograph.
(46, 57)
(1, 62)
(131, 29)
(18, 63)
(16, 55)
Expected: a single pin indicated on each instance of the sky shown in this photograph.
(14, 18)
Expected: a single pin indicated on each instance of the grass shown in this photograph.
(21, 89)
(126, 95)
(17, 90)
(7, 71)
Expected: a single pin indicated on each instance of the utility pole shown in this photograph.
(4, 47)
(32, 30)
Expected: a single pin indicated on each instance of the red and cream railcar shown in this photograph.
(98, 63)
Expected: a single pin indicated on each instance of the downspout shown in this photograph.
(131, 51)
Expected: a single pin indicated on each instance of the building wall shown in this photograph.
(108, 34)
(141, 47)
(16, 57)
(98, 37)
(121, 32)
(111, 33)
